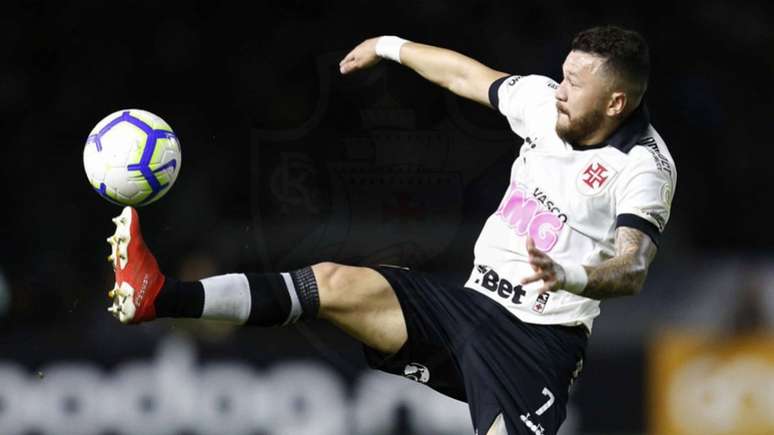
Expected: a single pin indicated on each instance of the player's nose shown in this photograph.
(561, 91)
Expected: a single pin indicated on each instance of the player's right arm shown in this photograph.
(458, 73)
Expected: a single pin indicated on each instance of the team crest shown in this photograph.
(540, 303)
(595, 176)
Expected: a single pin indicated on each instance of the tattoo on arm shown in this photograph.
(624, 274)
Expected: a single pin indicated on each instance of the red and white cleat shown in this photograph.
(138, 278)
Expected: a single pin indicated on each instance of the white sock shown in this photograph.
(227, 297)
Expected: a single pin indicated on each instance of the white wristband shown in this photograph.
(388, 47)
(575, 278)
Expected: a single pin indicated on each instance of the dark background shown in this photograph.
(226, 75)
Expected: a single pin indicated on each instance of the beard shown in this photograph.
(575, 130)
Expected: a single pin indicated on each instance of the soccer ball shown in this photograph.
(132, 157)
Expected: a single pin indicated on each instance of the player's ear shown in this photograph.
(617, 104)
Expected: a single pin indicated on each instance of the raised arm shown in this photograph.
(622, 275)
(460, 74)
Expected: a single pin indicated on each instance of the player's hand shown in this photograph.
(545, 268)
(361, 57)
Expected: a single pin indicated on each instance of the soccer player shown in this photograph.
(580, 221)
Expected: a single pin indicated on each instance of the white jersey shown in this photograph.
(570, 201)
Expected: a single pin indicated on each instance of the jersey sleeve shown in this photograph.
(645, 200)
(520, 98)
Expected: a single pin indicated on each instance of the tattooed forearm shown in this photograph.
(625, 273)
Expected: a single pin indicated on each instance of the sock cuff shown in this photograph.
(308, 295)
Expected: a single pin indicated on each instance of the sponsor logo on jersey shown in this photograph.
(490, 280)
(660, 218)
(658, 214)
(417, 373)
(512, 81)
(550, 205)
(595, 176)
(662, 163)
(540, 303)
(528, 216)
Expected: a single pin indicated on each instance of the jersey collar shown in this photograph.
(624, 137)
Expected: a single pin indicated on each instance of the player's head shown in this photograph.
(605, 78)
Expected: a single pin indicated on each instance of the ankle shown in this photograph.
(180, 299)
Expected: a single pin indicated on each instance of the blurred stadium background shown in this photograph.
(285, 163)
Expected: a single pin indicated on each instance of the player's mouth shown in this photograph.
(562, 111)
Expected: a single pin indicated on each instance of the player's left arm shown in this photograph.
(643, 195)
(622, 275)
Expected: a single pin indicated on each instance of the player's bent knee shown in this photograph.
(331, 282)
(344, 288)
(361, 302)
(323, 274)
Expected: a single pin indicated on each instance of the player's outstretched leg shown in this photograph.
(358, 300)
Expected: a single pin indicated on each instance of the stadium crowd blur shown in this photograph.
(268, 127)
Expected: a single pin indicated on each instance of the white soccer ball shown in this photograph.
(132, 157)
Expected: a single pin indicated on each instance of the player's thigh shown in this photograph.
(360, 301)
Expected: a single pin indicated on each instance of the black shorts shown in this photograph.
(469, 347)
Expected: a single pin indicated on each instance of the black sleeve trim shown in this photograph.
(638, 223)
(494, 99)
